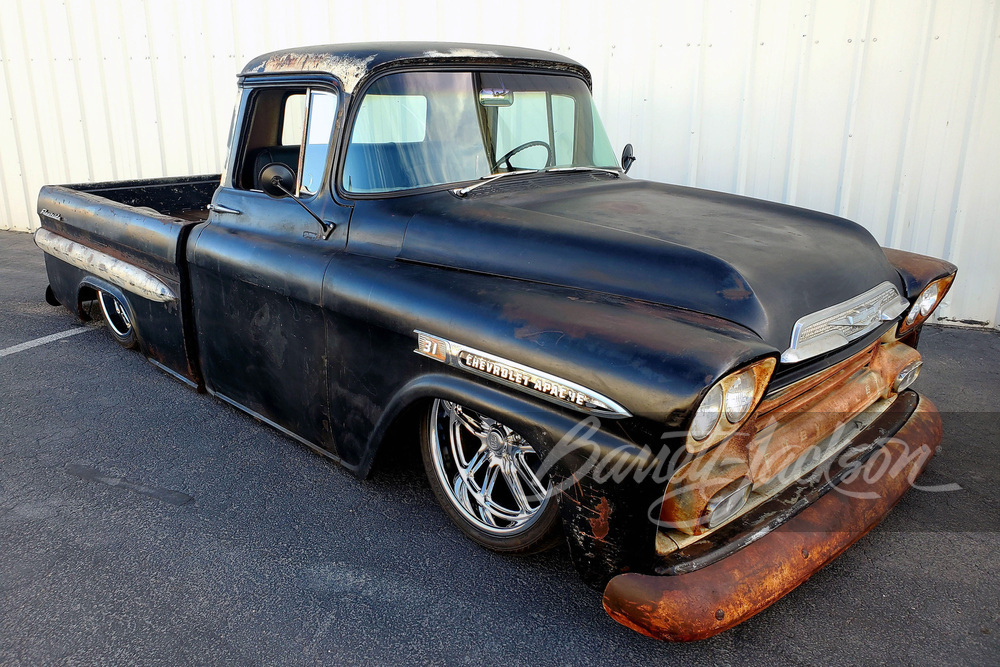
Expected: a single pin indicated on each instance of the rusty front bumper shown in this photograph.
(701, 603)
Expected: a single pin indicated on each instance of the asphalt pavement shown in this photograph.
(142, 522)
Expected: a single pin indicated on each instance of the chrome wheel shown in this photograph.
(486, 470)
(117, 318)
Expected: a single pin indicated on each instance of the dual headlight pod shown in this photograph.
(727, 405)
(926, 303)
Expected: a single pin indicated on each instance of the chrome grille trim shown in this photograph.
(834, 327)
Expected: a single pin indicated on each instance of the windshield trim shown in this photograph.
(353, 105)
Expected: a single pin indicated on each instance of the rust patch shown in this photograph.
(599, 525)
(350, 70)
(918, 270)
(459, 52)
(738, 290)
(834, 375)
(703, 603)
(782, 430)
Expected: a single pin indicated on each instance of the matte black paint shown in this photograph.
(644, 292)
(145, 223)
(759, 264)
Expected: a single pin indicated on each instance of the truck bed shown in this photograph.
(184, 198)
(123, 237)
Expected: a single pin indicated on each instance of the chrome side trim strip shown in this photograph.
(115, 271)
(172, 373)
(291, 434)
(834, 327)
(524, 378)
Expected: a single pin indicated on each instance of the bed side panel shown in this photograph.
(143, 239)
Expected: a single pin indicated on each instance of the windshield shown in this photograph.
(417, 129)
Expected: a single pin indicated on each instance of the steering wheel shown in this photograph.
(550, 160)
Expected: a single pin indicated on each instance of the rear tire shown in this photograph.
(118, 318)
(483, 474)
(50, 296)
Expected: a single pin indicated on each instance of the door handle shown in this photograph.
(219, 208)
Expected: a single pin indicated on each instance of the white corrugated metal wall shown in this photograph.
(883, 111)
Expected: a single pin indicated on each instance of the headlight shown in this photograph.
(926, 302)
(708, 413)
(739, 397)
(928, 299)
(735, 395)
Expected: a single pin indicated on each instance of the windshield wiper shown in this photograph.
(461, 192)
(617, 173)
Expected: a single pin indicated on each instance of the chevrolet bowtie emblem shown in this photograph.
(859, 318)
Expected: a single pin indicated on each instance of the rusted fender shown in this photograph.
(705, 602)
(917, 271)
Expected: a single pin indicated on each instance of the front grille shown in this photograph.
(836, 326)
(828, 324)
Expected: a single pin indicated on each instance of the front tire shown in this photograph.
(118, 319)
(483, 474)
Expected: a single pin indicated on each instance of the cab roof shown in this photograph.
(350, 63)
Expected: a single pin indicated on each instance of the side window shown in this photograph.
(289, 126)
(322, 116)
(292, 119)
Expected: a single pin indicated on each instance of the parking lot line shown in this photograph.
(21, 347)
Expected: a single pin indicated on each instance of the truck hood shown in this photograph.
(759, 264)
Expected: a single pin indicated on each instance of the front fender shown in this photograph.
(605, 524)
(654, 360)
(917, 271)
(545, 426)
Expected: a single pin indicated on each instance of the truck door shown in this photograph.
(257, 267)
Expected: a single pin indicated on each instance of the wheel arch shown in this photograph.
(87, 291)
(542, 424)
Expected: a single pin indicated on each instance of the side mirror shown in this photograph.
(627, 158)
(277, 181)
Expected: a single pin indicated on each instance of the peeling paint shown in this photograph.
(599, 524)
(461, 53)
(348, 69)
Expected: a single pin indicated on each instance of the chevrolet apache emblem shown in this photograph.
(538, 383)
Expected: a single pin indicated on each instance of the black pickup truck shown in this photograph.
(706, 396)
